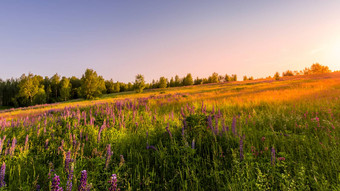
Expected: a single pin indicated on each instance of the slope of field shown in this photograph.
(253, 135)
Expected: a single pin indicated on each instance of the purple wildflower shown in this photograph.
(210, 122)
(83, 181)
(68, 161)
(168, 130)
(99, 133)
(108, 156)
(273, 156)
(182, 113)
(113, 183)
(12, 149)
(46, 144)
(233, 125)
(26, 143)
(69, 178)
(216, 125)
(241, 149)
(55, 184)
(2, 175)
(2, 143)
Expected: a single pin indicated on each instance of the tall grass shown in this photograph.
(262, 136)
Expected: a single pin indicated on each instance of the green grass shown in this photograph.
(299, 119)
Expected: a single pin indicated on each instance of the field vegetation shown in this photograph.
(254, 135)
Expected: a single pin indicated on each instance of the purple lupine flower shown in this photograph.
(223, 126)
(273, 156)
(241, 149)
(216, 125)
(182, 112)
(37, 188)
(26, 143)
(84, 115)
(69, 178)
(168, 130)
(46, 144)
(233, 125)
(55, 184)
(81, 135)
(108, 156)
(74, 141)
(2, 175)
(12, 149)
(99, 133)
(219, 113)
(210, 122)
(68, 161)
(184, 126)
(113, 183)
(83, 181)
(2, 143)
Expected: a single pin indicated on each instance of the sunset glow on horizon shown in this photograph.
(154, 38)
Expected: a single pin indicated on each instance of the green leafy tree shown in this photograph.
(28, 87)
(139, 83)
(162, 82)
(55, 82)
(123, 87)
(316, 69)
(116, 87)
(110, 86)
(234, 77)
(288, 73)
(48, 89)
(245, 78)
(213, 78)
(177, 81)
(65, 88)
(172, 82)
(277, 76)
(2, 85)
(198, 81)
(92, 84)
(227, 78)
(75, 87)
(130, 86)
(188, 80)
(40, 97)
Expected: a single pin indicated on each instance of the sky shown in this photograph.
(120, 39)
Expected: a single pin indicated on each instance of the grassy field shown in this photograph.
(253, 135)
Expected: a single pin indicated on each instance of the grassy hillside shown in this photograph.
(253, 135)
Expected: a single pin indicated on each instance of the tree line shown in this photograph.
(33, 89)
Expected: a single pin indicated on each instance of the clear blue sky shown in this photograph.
(165, 38)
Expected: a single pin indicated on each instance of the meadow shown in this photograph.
(252, 135)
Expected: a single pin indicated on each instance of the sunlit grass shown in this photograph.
(259, 135)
